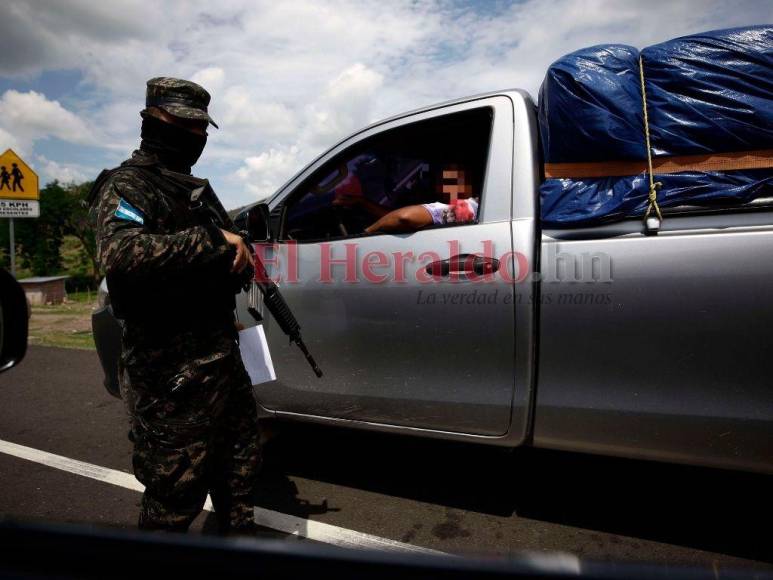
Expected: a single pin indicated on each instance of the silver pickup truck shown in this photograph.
(499, 331)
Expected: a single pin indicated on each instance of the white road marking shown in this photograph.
(286, 523)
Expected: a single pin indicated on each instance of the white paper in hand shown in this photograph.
(255, 354)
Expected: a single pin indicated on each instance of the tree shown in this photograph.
(39, 240)
(77, 224)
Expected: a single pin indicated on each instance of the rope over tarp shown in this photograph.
(710, 119)
(654, 185)
(716, 162)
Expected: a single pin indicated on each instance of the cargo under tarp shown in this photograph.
(710, 106)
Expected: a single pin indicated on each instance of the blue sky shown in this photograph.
(288, 79)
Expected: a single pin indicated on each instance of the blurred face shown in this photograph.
(180, 141)
(456, 183)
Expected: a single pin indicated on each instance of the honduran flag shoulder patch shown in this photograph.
(128, 212)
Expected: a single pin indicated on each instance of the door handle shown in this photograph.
(468, 263)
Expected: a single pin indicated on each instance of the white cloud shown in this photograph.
(31, 116)
(344, 106)
(51, 34)
(263, 173)
(290, 78)
(247, 117)
(64, 173)
(211, 78)
(8, 141)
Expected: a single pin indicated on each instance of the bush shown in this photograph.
(80, 283)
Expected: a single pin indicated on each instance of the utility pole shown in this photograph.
(13, 247)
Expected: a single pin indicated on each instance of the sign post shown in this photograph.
(13, 247)
(19, 194)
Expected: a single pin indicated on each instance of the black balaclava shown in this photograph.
(176, 148)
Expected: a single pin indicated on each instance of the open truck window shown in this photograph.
(437, 165)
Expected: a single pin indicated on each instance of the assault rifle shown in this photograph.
(204, 199)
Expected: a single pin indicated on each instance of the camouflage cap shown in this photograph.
(179, 97)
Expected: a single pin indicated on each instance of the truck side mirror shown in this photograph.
(256, 221)
(14, 317)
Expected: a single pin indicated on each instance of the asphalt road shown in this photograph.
(450, 497)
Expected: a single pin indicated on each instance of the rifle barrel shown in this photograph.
(301, 345)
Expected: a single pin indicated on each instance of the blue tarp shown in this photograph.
(706, 93)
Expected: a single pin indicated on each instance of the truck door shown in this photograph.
(403, 334)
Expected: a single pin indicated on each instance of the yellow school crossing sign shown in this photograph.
(19, 194)
(19, 191)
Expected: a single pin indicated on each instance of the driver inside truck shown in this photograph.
(456, 205)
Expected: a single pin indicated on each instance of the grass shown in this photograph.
(83, 340)
(65, 325)
(87, 296)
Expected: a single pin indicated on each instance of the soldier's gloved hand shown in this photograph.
(243, 256)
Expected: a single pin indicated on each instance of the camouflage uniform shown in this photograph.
(194, 417)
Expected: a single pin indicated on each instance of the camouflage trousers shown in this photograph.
(195, 428)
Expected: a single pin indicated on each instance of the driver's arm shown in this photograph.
(360, 202)
(406, 219)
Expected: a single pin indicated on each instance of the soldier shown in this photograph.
(172, 278)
